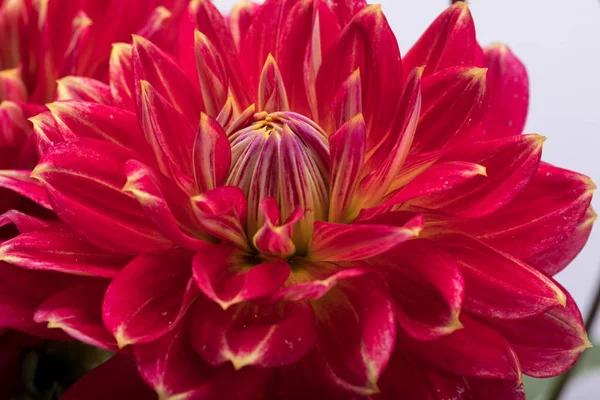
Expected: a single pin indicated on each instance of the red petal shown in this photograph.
(165, 204)
(46, 132)
(427, 288)
(272, 96)
(148, 297)
(83, 89)
(275, 238)
(336, 242)
(508, 85)
(77, 310)
(23, 222)
(19, 181)
(547, 344)
(121, 76)
(12, 87)
(347, 146)
(58, 248)
(251, 334)
(227, 276)
(356, 333)
(158, 27)
(496, 389)
(476, 351)
(211, 154)
(497, 285)
(116, 379)
(214, 81)
(84, 181)
(449, 41)
(240, 18)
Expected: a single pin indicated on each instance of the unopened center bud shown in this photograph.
(282, 155)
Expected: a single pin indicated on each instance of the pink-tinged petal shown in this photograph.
(77, 310)
(313, 280)
(116, 379)
(347, 103)
(240, 18)
(22, 291)
(214, 81)
(275, 238)
(205, 17)
(71, 62)
(227, 275)
(175, 371)
(222, 212)
(19, 182)
(211, 154)
(251, 334)
(165, 204)
(508, 85)
(23, 222)
(12, 86)
(546, 213)
(547, 344)
(356, 333)
(46, 132)
(347, 146)
(83, 89)
(475, 351)
(345, 10)
(496, 389)
(121, 76)
(438, 178)
(161, 71)
(272, 96)
(557, 257)
(449, 41)
(345, 242)
(84, 181)
(14, 128)
(156, 28)
(455, 106)
(491, 275)
(366, 43)
(149, 297)
(409, 378)
(427, 287)
(77, 119)
(159, 119)
(510, 164)
(386, 160)
(58, 248)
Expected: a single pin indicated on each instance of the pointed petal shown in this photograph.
(356, 333)
(345, 10)
(12, 86)
(449, 41)
(58, 248)
(547, 344)
(148, 297)
(221, 212)
(240, 18)
(227, 276)
(120, 79)
(490, 275)
(272, 96)
(83, 89)
(508, 85)
(211, 154)
(347, 103)
(116, 379)
(46, 132)
(275, 238)
(337, 242)
(157, 27)
(347, 146)
(19, 182)
(214, 81)
(251, 334)
(84, 181)
(167, 206)
(427, 287)
(366, 43)
(77, 310)
(23, 222)
(475, 351)
(153, 65)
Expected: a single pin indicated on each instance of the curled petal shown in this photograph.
(211, 154)
(19, 181)
(275, 238)
(23, 222)
(449, 41)
(156, 27)
(83, 89)
(77, 310)
(508, 85)
(341, 242)
(251, 334)
(148, 297)
(240, 19)
(226, 276)
(58, 248)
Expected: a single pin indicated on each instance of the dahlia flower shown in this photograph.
(290, 209)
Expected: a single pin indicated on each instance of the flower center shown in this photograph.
(286, 156)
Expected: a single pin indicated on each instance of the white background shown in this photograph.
(559, 42)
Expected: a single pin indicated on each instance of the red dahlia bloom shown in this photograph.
(289, 209)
